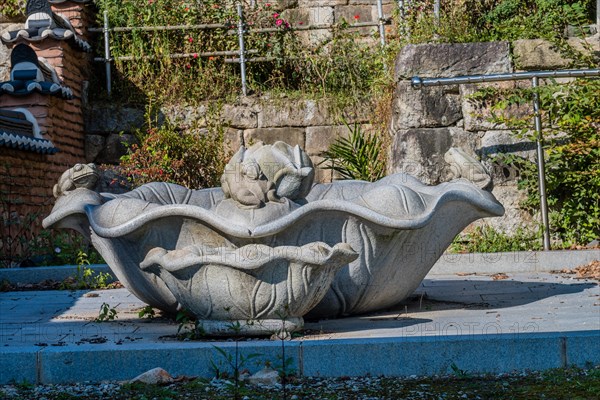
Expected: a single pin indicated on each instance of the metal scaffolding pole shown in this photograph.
(418, 83)
(241, 24)
(539, 139)
(107, 53)
(381, 22)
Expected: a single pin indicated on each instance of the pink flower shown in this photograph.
(279, 22)
(275, 15)
(188, 66)
(195, 55)
(300, 23)
(268, 5)
(190, 39)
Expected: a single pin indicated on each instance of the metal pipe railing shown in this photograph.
(381, 22)
(436, 13)
(240, 31)
(419, 83)
(107, 53)
(160, 28)
(178, 55)
(242, 47)
(539, 139)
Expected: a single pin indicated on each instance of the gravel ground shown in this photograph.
(571, 383)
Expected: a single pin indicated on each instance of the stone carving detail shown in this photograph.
(43, 23)
(268, 245)
(266, 173)
(80, 176)
(467, 167)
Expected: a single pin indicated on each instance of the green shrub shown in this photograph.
(485, 239)
(571, 122)
(360, 156)
(192, 158)
(12, 8)
(495, 20)
(340, 65)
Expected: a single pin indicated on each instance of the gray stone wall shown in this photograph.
(328, 12)
(313, 125)
(427, 122)
(4, 55)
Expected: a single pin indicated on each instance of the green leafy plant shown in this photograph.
(495, 20)
(24, 243)
(571, 122)
(193, 158)
(360, 156)
(107, 313)
(460, 373)
(236, 361)
(147, 312)
(86, 277)
(486, 239)
(288, 62)
(12, 8)
(189, 328)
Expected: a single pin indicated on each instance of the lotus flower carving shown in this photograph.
(270, 242)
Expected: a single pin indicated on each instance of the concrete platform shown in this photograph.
(478, 323)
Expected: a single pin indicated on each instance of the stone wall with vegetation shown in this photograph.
(427, 122)
(311, 124)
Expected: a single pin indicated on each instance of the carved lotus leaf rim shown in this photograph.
(249, 257)
(455, 192)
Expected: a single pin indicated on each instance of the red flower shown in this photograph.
(279, 22)
(195, 55)
(356, 17)
(190, 39)
(300, 23)
(268, 5)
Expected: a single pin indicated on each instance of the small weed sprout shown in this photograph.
(460, 373)
(107, 313)
(147, 312)
(189, 328)
(86, 277)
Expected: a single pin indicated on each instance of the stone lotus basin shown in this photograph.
(329, 250)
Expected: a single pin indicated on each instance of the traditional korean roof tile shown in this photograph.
(19, 130)
(43, 23)
(30, 74)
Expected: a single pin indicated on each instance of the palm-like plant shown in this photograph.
(359, 156)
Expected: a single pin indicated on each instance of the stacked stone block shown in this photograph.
(313, 125)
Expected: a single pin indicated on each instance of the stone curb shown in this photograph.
(518, 261)
(481, 263)
(402, 356)
(56, 273)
